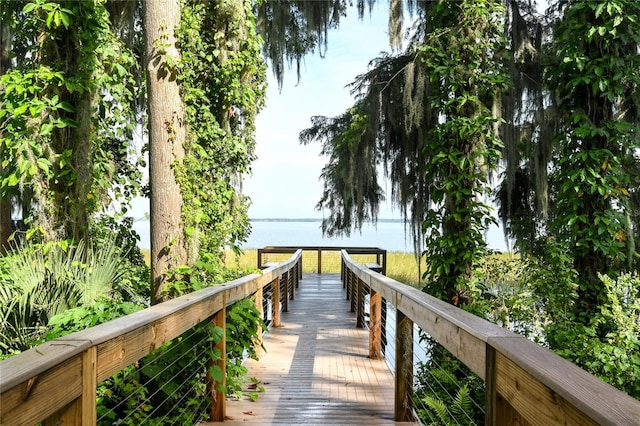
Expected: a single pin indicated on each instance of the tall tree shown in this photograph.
(167, 135)
(430, 115)
(6, 227)
(464, 58)
(595, 80)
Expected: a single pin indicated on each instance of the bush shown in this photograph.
(42, 281)
(607, 345)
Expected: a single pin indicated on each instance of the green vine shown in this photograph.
(462, 56)
(65, 117)
(222, 77)
(596, 77)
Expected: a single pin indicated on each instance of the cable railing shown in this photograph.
(523, 383)
(507, 378)
(57, 382)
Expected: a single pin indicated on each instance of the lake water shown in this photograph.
(388, 235)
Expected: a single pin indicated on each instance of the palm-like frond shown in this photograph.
(41, 284)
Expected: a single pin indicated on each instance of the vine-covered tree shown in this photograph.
(67, 65)
(595, 80)
(430, 116)
(223, 91)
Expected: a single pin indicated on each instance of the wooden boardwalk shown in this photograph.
(316, 369)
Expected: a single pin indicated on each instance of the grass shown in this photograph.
(400, 266)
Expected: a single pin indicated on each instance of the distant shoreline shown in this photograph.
(283, 219)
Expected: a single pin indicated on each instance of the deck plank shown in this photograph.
(316, 369)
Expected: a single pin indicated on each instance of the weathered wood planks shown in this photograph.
(316, 369)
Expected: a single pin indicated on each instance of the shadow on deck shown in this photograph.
(316, 369)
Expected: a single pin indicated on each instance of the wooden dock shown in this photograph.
(316, 369)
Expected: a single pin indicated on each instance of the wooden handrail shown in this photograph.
(381, 254)
(57, 380)
(524, 381)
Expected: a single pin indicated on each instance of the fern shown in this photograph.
(458, 412)
(440, 409)
(462, 405)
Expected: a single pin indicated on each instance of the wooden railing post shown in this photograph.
(348, 284)
(218, 406)
(383, 326)
(293, 280)
(355, 282)
(384, 262)
(360, 305)
(89, 385)
(257, 344)
(319, 260)
(259, 258)
(285, 287)
(81, 411)
(498, 410)
(375, 326)
(404, 368)
(490, 386)
(275, 304)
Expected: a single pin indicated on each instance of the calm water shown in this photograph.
(386, 235)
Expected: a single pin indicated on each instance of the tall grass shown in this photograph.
(400, 266)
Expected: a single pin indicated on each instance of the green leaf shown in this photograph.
(217, 333)
(46, 129)
(216, 373)
(29, 7)
(43, 164)
(65, 19)
(66, 106)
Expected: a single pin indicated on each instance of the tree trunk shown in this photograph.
(166, 137)
(81, 140)
(5, 202)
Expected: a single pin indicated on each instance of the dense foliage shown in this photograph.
(476, 88)
(462, 56)
(71, 91)
(553, 105)
(223, 79)
(66, 121)
(170, 384)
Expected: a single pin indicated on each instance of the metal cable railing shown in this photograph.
(452, 367)
(151, 366)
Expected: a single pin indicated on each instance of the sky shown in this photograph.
(285, 180)
(286, 168)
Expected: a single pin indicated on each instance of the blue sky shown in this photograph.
(286, 168)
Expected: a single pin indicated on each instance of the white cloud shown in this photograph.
(321, 91)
